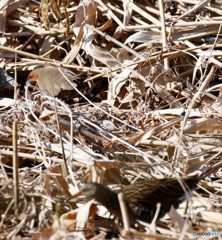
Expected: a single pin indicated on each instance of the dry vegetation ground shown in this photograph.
(149, 107)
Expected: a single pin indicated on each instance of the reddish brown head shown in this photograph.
(33, 76)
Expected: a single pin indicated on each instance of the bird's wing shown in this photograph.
(167, 192)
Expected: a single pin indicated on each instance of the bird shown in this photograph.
(142, 197)
(52, 80)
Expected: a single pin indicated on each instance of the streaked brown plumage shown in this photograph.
(142, 198)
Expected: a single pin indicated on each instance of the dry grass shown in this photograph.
(150, 107)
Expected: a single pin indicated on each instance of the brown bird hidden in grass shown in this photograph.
(142, 198)
(52, 81)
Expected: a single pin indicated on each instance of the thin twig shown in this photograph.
(125, 216)
(15, 165)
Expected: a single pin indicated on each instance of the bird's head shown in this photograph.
(33, 76)
(90, 190)
(95, 191)
(105, 197)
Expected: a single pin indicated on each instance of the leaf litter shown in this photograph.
(149, 107)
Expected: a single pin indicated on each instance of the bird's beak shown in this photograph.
(81, 195)
(77, 196)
